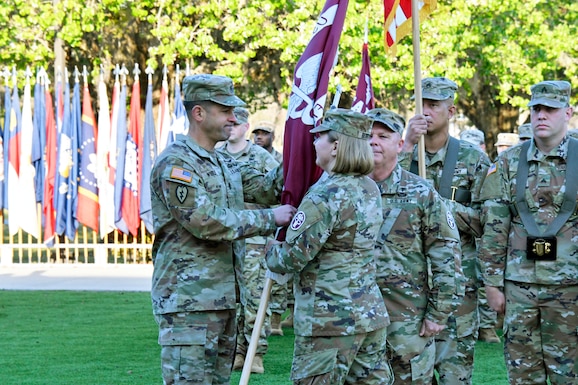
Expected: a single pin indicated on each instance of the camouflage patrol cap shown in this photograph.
(214, 88)
(507, 139)
(473, 136)
(264, 126)
(241, 114)
(388, 118)
(551, 93)
(438, 88)
(525, 131)
(346, 122)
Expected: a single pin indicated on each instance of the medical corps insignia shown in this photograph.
(451, 221)
(298, 220)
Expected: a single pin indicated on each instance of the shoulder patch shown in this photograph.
(451, 221)
(298, 220)
(181, 174)
(493, 168)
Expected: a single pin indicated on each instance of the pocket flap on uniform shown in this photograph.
(313, 364)
(183, 335)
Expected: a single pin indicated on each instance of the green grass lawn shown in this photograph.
(63, 337)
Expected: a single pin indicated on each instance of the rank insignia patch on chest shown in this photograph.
(451, 221)
(298, 220)
(181, 193)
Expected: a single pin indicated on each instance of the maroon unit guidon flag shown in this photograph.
(397, 16)
(364, 99)
(307, 101)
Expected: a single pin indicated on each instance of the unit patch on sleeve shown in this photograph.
(298, 220)
(181, 193)
(181, 174)
(451, 221)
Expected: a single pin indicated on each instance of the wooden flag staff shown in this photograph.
(417, 81)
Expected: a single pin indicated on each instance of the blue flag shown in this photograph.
(149, 153)
(63, 162)
(39, 137)
(121, 134)
(180, 122)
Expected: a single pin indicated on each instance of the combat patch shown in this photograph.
(451, 221)
(181, 174)
(181, 193)
(298, 220)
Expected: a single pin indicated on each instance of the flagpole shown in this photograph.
(417, 81)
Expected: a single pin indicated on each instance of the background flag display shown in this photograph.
(120, 145)
(364, 99)
(397, 16)
(147, 156)
(307, 102)
(13, 157)
(164, 114)
(48, 206)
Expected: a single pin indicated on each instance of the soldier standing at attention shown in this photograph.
(418, 235)
(456, 169)
(264, 134)
(200, 223)
(242, 150)
(530, 244)
(340, 317)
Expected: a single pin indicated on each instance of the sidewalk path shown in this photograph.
(76, 277)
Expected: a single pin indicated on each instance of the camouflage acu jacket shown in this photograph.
(418, 233)
(330, 248)
(199, 221)
(471, 168)
(503, 246)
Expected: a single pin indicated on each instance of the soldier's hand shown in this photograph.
(496, 299)
(416, 127)
(284, 214)
(430, 328)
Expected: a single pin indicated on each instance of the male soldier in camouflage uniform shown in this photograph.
(418, 234)
(199, 221)
(264, 134)
(340, 317)
(530, 244)
(456, 169)
(475, 137)
(254, 268)
(525, 132)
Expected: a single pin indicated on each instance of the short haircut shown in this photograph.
(354, 156)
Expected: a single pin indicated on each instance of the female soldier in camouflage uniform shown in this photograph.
(340, 317)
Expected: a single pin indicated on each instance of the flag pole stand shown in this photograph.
(259, 320)
(417, 81)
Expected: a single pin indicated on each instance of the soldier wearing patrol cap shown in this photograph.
(525, 132)
(264, 135)
(340, 317)
(529, 246)
(475, 137)
(456, 170)
(199, 222)
(418, 244)
(505, 141)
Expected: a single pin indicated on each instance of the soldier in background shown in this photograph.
(200, 223)
(242, 150)
(530, 244)
(505, 141)
(475, 137)
(524, 132)
(340, 317)
(456, 169)
(264, 135)
(418, 235)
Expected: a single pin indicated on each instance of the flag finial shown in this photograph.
(150, 71)
(136, 71)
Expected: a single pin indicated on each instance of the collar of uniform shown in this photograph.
(560, 151)
(195, 147)
(390, 185)
(439, 156)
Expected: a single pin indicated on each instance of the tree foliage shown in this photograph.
(494, 49)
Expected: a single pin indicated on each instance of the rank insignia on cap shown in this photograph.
(451, 221)
(181, 174)
(298, 220)
(181, 193)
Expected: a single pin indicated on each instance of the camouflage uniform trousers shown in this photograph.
(336, 360)
(412, 357)
(198, 347)
(488, 316)
(455, 345)
(278, 298)
(541, 333)
(254, 276)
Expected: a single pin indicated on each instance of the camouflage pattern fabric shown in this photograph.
(536, 291)
(277, 155)
(418, 269)
(254, 261)
(329, 247)
(197, 348)
(471, 167)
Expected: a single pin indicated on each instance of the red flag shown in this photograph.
(88, 208)
(130, 207)
(364, 99)
(48, 210)
(307, 101)
(397, 16)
